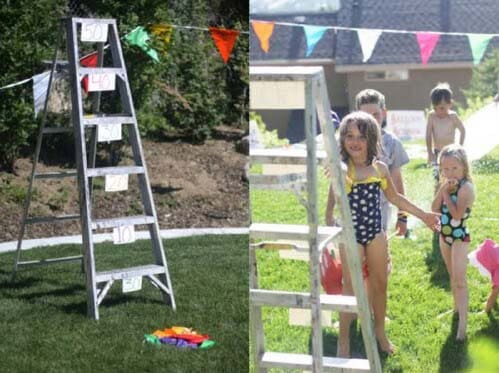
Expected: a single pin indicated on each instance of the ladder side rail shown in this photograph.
(81, 160)
(138, 155)
(313, 219)
(348, 236)
(36, 157)
(256, 320)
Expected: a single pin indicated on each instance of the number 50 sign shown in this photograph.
(93, 32)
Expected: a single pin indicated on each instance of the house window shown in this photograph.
(387, 75)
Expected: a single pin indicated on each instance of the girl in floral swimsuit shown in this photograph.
(366, 177)
(454, 200)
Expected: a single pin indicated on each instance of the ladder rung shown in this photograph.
(96, 119)
(108, 21)
(283, 156)
(276, 181)
(118, 274)
(294, 232)
(123, 170)
(301, 361)
(55, 175)
(117, 222)
(51, 130)
(288, 299)
(100, 70)
(49, 261)
(50, 219)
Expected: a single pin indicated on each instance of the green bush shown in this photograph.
(187, 94)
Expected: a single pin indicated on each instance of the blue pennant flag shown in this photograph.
(313, 35)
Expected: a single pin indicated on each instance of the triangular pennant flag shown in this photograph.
(478, 44)
(263, 31)
(427, 42)
(139, 37)
(40, 86)
(224, 40)
(163, 34)
(313, 34)
(368, 40)
(88, 61)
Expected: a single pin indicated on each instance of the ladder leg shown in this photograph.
(255, 316)
(36, 157)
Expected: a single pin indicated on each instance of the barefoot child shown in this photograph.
(486, 259)
(454, 200)
(442, 124)
(366, 177)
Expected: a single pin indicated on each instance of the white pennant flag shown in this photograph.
(368, 40)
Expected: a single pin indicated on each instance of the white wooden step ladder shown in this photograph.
(305, 88)
(98, 32)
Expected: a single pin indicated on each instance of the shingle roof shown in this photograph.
(460, 16)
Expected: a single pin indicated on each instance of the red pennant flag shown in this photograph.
(88, 61)
(224, 40)
(263, 31)
(427, 42)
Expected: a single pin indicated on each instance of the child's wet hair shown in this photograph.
(368, 127)
(441, 93)
(370, 96)
(456, 151)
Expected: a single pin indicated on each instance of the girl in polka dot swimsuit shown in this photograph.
(454, 200)
(366, 177)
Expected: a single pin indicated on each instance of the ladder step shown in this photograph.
(100, 70)
(301, 361)
(122, 170)
(118, 274)
(107, 21)
(276, 181)
(49, 261)
(51, 219)
(96, 119)
(283, 156)
(295, 232)
(117, 222)
(55, 175)
(51, 130)
(288, 299)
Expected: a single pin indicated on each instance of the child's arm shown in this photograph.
(330, 207)
(437, 201)
(465, 198)
(460, 127)
(492, 299)
(429, 139)
(429, 218)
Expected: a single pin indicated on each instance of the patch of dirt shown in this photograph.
(193, 186)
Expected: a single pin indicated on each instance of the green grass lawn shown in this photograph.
(418, 290)
(44, 327)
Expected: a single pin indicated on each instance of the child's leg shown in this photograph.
(446, 252)
(460, 285)
(343, 349)
(377, 256)
(492, 299)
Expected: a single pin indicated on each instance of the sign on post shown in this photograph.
(407, 124)
(107, 132)
(94, 32)
(101, 82)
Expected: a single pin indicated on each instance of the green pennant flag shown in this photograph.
(478, 44)
(139, 37)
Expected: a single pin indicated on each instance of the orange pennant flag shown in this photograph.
(224, 40)
(263, 31)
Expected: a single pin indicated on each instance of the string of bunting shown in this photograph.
(427, 40)
(224, 40)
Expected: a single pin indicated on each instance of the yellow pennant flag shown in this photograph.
(162, 35)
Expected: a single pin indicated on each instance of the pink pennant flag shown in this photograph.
(427, 42)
